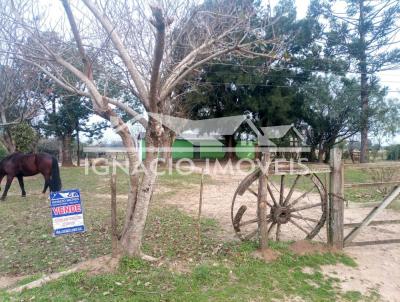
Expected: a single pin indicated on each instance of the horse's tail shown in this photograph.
(55, 179)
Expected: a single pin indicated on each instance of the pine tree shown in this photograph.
(365, 34)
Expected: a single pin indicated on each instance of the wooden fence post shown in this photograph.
(262, 202)
(336, 204)
(200, 206)
(114, 233)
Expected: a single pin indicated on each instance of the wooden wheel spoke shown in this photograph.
(308, 206)
(304, 218)
(252, 191)
(270, 227)
(256, 195)
(272, 195)
(301, 196)
(251, 235)
(282, 190)
(248, 222)
(298, 226)
(285, 202)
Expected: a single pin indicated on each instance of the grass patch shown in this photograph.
(231, 274)
(176, 180)
(172, 234)
(371, 194)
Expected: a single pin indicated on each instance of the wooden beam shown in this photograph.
(262, 203)
(373, 165)
(357, 205)
(376, 222)
(372, 184)
(374, 242)
(386, 201)
(336, 206)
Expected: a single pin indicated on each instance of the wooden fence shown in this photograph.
(337, 186)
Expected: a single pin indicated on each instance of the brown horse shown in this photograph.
(20, 165)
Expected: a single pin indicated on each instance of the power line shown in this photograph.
(267, 85)
(290, 68)
(300, 76)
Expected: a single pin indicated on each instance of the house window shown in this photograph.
(294, 141)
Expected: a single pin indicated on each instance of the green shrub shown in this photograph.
(24, 136)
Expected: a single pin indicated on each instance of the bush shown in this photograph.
(24, 136)
(393, 152)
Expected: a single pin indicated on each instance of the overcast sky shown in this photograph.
(390, 79)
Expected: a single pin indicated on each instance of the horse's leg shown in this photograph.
(46, 183)
(21, 185)
(8, 185)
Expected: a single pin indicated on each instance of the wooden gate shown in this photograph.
(369, 220)
(337, 186)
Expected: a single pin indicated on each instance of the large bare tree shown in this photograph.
(141, 43)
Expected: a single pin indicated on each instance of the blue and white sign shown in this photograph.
(67, 212)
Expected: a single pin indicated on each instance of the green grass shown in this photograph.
(231, 275)
(211, 271)
(175, 180)
(370, 194)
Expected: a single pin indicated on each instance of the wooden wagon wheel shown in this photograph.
(289, 203)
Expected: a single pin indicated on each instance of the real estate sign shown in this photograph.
(67, 212)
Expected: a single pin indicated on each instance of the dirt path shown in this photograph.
(378, 265)
(8, 281)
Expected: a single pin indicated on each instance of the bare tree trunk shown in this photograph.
(6, 137)
(364, 143)
(364, 89)
(321, 153)
(138, 204)
(67, 151)
(327, 151)
(364, 118)
(230, 142)
(312, 155)
(168, 139)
